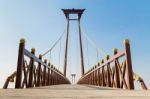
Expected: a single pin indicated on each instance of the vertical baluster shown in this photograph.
(102, 74)
(39, 72)
(98, 75)
(92, 77)
(20, 64)
(54, 78)
(31, 69)
(108, 72)
(48, 76)
(44, 76)
(129, 70)
(52, 75)
(95, 75)
(117, 77)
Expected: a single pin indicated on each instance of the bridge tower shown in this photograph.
(79, 13)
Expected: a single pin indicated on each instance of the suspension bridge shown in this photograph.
(111, 77)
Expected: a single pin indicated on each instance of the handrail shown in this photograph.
(110, 73)
(118, 55)
(30, 55)
(29, 75)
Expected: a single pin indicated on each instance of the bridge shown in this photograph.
(110, 77)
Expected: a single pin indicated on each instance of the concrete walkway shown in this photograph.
(72, 92)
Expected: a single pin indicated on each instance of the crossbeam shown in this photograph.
(79, 13)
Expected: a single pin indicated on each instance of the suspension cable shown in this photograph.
(54, 44)
(50, 54)
(97, 55)
(94, 45)
(88, 58)
(59, 55)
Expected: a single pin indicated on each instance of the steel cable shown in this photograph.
(54, 44)
(94, 45)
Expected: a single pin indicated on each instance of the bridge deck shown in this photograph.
(72, 92)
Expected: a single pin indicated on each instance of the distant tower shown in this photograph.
(79, 12)
(73, 78)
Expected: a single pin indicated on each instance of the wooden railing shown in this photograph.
(110, 73)
(33, 72)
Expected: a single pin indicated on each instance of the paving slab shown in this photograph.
(73, 92)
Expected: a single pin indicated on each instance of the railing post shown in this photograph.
(98, 75)
(55, 76)
(31, 69)
(129, 70)
(44, 75)
(58, 79)
(108, 72)
(39, 72)
(95, 75)
(52, 75)
(92, 77)
(20, 63)
(89, 79)
(48, 81)
(117, 77)
(103, 74)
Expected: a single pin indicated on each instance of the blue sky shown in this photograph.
(107, 22)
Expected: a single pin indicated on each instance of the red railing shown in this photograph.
(111, 73)
(35, 72)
